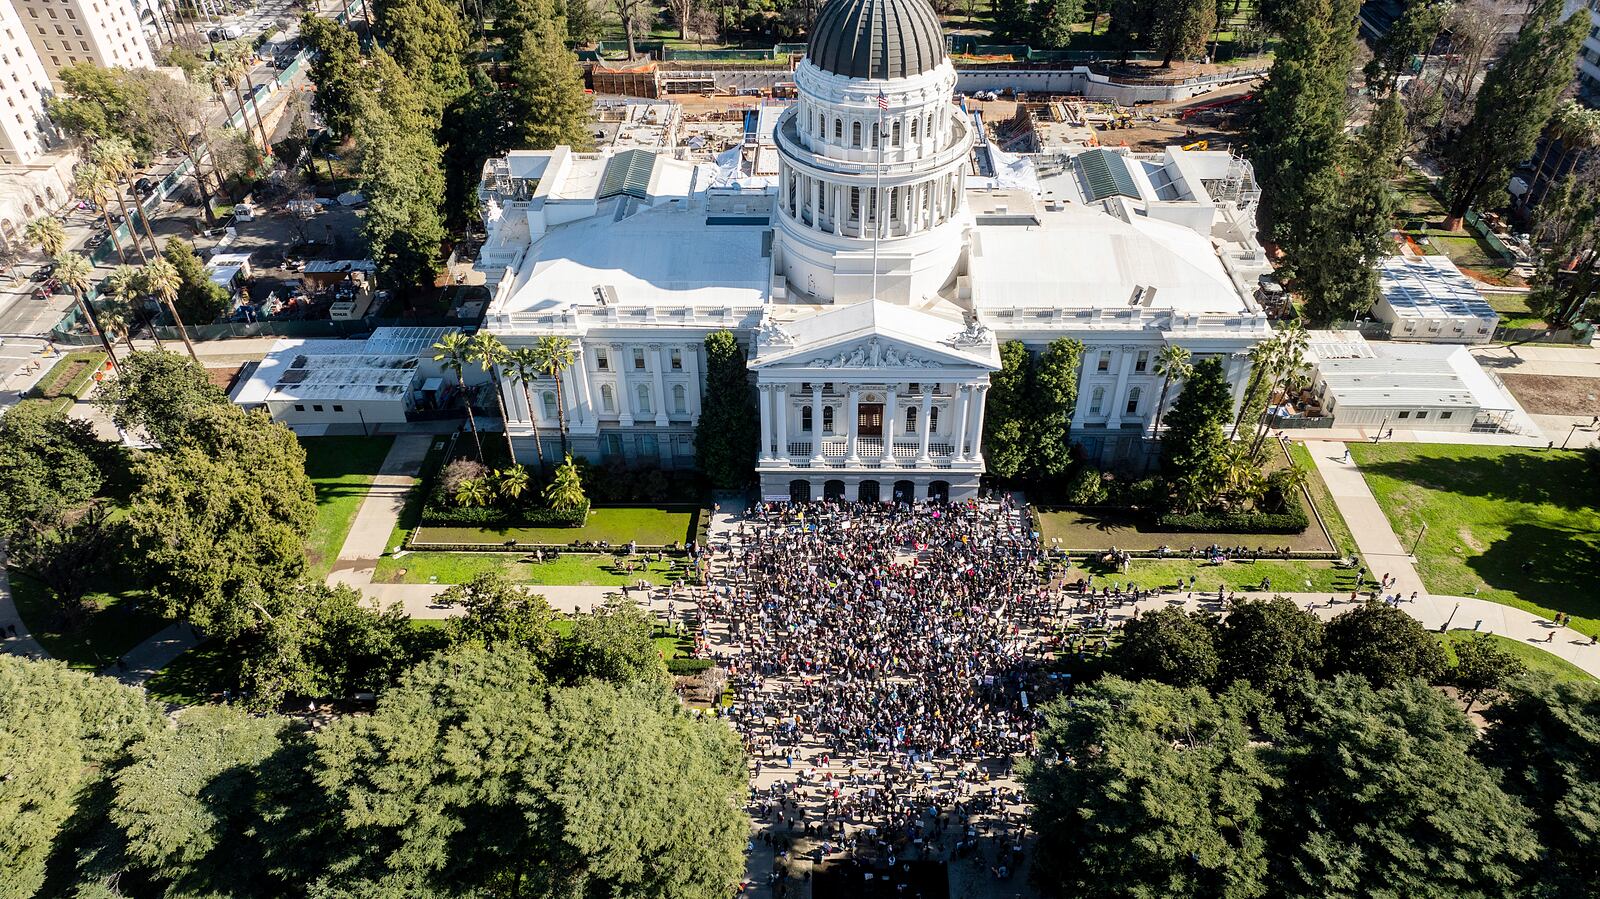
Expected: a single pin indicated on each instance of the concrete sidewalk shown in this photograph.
(23, 643)
(140, 663)
(1374, 537)
(380, 510)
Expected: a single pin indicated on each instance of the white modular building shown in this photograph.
(378, 381)
(1412, 386)
(872, 279)
(1427, 298)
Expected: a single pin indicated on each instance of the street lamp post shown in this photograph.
(1379, 436)
(1418, 542)
(1569, 434)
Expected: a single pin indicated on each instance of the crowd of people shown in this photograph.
(886, 671)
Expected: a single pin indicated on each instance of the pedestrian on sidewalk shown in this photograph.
(1346, 454)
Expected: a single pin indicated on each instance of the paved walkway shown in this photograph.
(1374, 537)
(141, 663)
(22, 643)
(380, 510)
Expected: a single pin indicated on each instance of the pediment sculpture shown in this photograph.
(872, 354)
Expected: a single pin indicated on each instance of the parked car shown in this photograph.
(43, 272)
(144, 186)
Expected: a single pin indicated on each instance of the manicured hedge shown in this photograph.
(1292, 521)
(688, 666)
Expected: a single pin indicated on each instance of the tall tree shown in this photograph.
(498, 613)
(1517, 97)
(156, 393)
(1411, 35)
(1194, 448)
(50, 465)
(1483, 667)
(1055, 398)
(547, 92)
(1006, 412)
(1567, 226)
(176, 111)
(76, 273)
(329, 642)
(401, 172)
(90, 183)
(1144, 789)
(1272, 645)
(1169, 645)
(336, 70)
(1181, 28)
(1048, 22)
(115, 157)
(1383, 644)
(487, 350)
(454, 351)
(523, 366)
(613, 643)
(1172, 364)
(726, 438)
(427, 40)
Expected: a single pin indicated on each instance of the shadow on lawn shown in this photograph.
(1559, 478)
(1547, 564)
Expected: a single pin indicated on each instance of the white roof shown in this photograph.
(383, 367)
(827, 339)
(671, 254)
(1407, 374)
(1080, 258)
(1326, 346)
(1430, 287)
(336, 266)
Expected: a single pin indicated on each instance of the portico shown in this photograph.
(872, 400)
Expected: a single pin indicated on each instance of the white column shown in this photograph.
(569, 394)
(660, 352)
(852, 414)
(580, 364)
(959, 431)
(816, 422)
(1238, 378)
(1084, 390)
(926, 422)
(624, 389)
(977, 425)
(691, 367)
(1119, 396)
(889, 411)
(816, 204)
(780, 409)
(763, 405)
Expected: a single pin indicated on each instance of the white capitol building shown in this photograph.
(871, 280)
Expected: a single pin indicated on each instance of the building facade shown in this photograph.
(872, 278)
(25, 132)
(105, 33)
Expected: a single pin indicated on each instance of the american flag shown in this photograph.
(883, 102)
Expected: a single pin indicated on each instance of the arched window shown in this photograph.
(911, 420)
(914, 124)
(827, 419)
(838, 129)
(608, 398)
(548, 400)
(933, 419)
(874, 138)
(929, 126)
(855, 134)
(822, 125)
(642, 394)
(680, 403)
(894, 138)
(855, 203)
(1133, 401)
(805, 419)
(1097, 401)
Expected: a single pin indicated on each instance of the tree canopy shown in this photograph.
(726, 438)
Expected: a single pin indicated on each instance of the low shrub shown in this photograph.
(1291, 521)
(681, 667)
(441, 512)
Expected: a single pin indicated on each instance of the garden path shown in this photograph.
(140, 663)
(22, 643)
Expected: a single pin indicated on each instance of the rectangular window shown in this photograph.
(1422, 415)
(602, 360)
(1104, 364)
(649, 449)
(613, 445)
(638, 358)
(338, 408)
(1142, 361)
(677, 359)
(1406, 414)
(316, 408)
(299, 408)
(1445, 415)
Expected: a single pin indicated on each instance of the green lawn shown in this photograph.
(1518, 526)
(1287, 576)
(649, 526)
(1537, 660)
(113, 627)
(573, 569)
(411, 511)
(341, 469)
(196, 677)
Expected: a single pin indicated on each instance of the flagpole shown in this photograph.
(877, 197)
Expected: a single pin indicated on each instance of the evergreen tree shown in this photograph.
(1298, 134)
(329, 642)
(1146, 790)
(728, 435)
(1517, 97)
(401, 173)
(1014, 20)
(1055, 397)
(499, 612)
(1169, 645)
(1007, 411)
(1052, 22)
(1410, 35)
(199, 300)
(477, 126)
(49, 465)
(1483, 667)
(429, 43)
(1181, 27)
(156, 393)
(1383, 644)
(336, 70)
(1195, 445)
(1273, 645)
(547, 93)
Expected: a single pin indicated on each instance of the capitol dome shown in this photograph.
(876, 39)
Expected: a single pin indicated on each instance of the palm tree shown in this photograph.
(565, 493)
(1263, 356)
(472, 492)
(233, 67)
(454, 350)
(46, 233)
(1290, 357)
(162, 280)
(1566, 120)
(121, 290)
(511, 482)
(116, 158)
(522, 364)
(218, 80)
(486, 350)
(75, 271)
(89, 182)
(240, 67)
(555, 355)
(1172, 363)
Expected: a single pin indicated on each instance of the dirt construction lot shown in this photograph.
(1549, 395)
